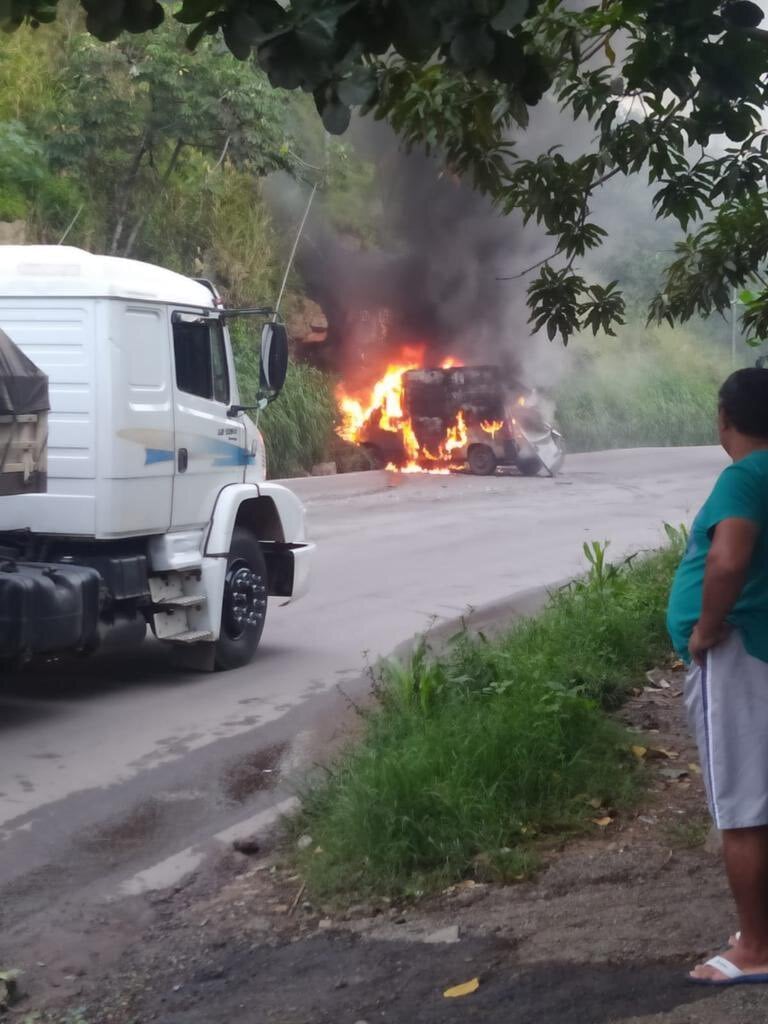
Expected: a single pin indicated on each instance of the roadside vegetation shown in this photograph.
(645, 388)
(128, 148)
(298, 429)
(472, 761)
(139, 148)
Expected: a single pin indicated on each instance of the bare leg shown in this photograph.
(745, 851)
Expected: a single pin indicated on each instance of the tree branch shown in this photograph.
(597, 47)
(533, 266)
(224, 151)
(170, 168)
(128, 188)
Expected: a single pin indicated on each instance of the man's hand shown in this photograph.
(724, 577)
(703, 640)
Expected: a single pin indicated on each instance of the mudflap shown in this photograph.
(194, 657)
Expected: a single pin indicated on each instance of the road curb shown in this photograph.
(341, 485)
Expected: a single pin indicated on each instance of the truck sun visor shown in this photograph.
(23, 386)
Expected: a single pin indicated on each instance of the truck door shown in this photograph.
(210, 446)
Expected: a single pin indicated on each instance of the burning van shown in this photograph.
(437, 419)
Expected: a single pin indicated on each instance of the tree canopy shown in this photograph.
(668, 89)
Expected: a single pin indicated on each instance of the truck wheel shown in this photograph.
(482, 461)
(529, 466)
(244, 607)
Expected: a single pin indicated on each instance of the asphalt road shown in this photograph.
(111, 766)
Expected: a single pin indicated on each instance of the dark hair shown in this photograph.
(744, 401)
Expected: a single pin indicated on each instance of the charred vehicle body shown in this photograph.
(466, 416)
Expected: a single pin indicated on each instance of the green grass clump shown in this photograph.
(596, 637)
(688, 835)
(470, 759)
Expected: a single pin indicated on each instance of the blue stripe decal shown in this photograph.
(155, 455)
(226, 454)
(222, 453)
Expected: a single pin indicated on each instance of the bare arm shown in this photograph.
(726, 573)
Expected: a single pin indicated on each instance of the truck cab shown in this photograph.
(156, 475)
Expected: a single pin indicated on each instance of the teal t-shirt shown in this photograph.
(741, 492)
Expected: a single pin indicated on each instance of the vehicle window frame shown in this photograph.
(219, 377)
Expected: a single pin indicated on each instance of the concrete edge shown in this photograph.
(340, 485)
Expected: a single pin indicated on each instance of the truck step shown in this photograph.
(181, 601)
(171, 585)
(192, 636)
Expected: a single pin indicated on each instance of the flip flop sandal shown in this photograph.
(733, 975)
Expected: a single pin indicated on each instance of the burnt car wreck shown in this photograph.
(465, 416)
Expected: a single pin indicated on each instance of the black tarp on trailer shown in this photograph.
(24, 406)
(23, 386)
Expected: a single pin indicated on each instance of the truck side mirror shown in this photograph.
(274, 358)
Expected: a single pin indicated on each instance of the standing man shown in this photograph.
(718, 620)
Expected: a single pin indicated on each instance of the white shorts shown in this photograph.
(727, 707)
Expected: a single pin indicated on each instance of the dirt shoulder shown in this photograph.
(604, 934)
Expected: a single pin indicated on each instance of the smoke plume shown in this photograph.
(438, 283)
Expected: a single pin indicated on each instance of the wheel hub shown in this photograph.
(245, 599)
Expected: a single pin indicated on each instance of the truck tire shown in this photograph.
(482, 461)
(244, 607)
(530, 466)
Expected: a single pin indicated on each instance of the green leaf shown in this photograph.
(742, 14)
(335, 116)
(473, 48)
(358, 88)
(194, 37)
(193, 11)
(510, 16)
(238, 46)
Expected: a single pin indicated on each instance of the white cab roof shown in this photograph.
(62, 270)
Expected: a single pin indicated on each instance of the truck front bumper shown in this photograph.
(302, 564)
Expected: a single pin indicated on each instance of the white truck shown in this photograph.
(154, 508)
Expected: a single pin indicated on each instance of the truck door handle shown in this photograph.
(183, 459)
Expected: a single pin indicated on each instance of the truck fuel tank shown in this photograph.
(47, 607)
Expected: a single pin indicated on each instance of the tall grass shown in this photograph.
(470, 759)
(298, 427)
(653, 387)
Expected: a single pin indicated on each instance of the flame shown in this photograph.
(456, 437)
(491, 427)
(450, 362)
(521, 400)
(382, 407)
(414, 467)
(411, 441)
(386, 398)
